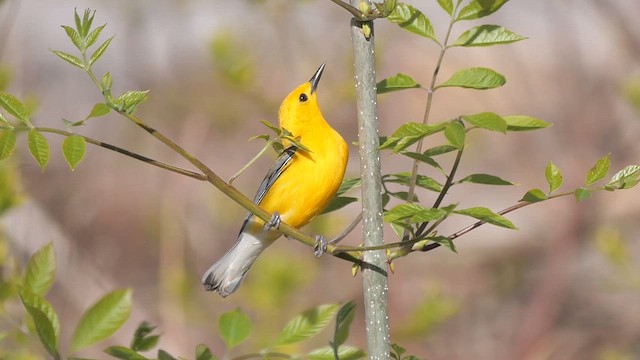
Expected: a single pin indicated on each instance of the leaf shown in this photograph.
(74, 36)
(487, 35)
(439, 150)
(486, 215)
(338, 203)
(422, 158)
(14, 107)
(485, 179)
(102, 319)
(106, 83)
(40, 271)
(410, 133)
(204, 353)
(307, 324)
(534, 195)
(397, 82)
(100, 51)
(524, 123)
(39, 148)
(343, 322)
(475, 78)
(598, 171)
(163, 355)
(93, 36)
(444, 241)
(129, 100)
(7, 143)
(477, 9)
(625, 178)
(124, 353)
(386, 7)
(234, 327)
(446, 5)
(348, 184)
(582, 194)
(554, 177)
(422, 181)
(455, 134)
(397, 351)
(73, 149)
(45, 320)
(411, 19)
(487, 120)
(98, 110)
(142, 338)
(69, 58)
(344, 353)
(414, 213)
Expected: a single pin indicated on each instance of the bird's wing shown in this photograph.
(281, 164)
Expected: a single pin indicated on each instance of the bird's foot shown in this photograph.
(274, 222)
(320, 247)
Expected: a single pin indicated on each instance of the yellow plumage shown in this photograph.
(298, 187)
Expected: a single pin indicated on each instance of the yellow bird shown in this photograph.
(296, 189)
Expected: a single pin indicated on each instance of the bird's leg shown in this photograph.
(274, 222)
(320, 247)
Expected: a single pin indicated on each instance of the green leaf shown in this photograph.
(129, 100)
(475, 78)
(487, 35)
(234, 327)
(87, 20)
(307, 324)
(204, 353)
(45, 320)
(422, 158)
(524, 123)
(386, 7)
(534, 195)
(397, 351)
(124, 353)
(446, 5)
(582, 194)
(444, 241)
(39, 148)
(102, 319)
(455, 134)
(397, 82)
(411, 19)
(338, 203)
(439, 150)
(422, 181)
(100, 51)
(343, 322)
(163, 355)
(414, 213)
(142, 338)
(410, 133)
(485, 179)
(93, 36)
(344, 353)
(106, 83)
(77, 20)
(486, 215)
(348, 184)
(74, 36)
(14, 107)
(599, 170)
(40, 271)
(98, 110)
(7, 143)
(554, 177)
(69, 58)
(477, 9)
(73, 149)
(625, 178)
(487, 120)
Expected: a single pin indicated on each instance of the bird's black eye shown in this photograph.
(303, 97)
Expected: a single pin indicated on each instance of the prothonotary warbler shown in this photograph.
(296, 189)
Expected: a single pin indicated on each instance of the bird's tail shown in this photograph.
(226, 275)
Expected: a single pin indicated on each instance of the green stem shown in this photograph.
(251, 162)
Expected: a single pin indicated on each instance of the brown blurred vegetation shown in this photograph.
(215, 68)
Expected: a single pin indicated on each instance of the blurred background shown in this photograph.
(566, 285)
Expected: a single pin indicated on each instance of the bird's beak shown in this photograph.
(315, 79)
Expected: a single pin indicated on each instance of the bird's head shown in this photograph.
(300, 107)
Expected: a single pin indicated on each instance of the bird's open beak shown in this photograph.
(315, 79)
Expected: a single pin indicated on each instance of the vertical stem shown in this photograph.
(374, 274)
